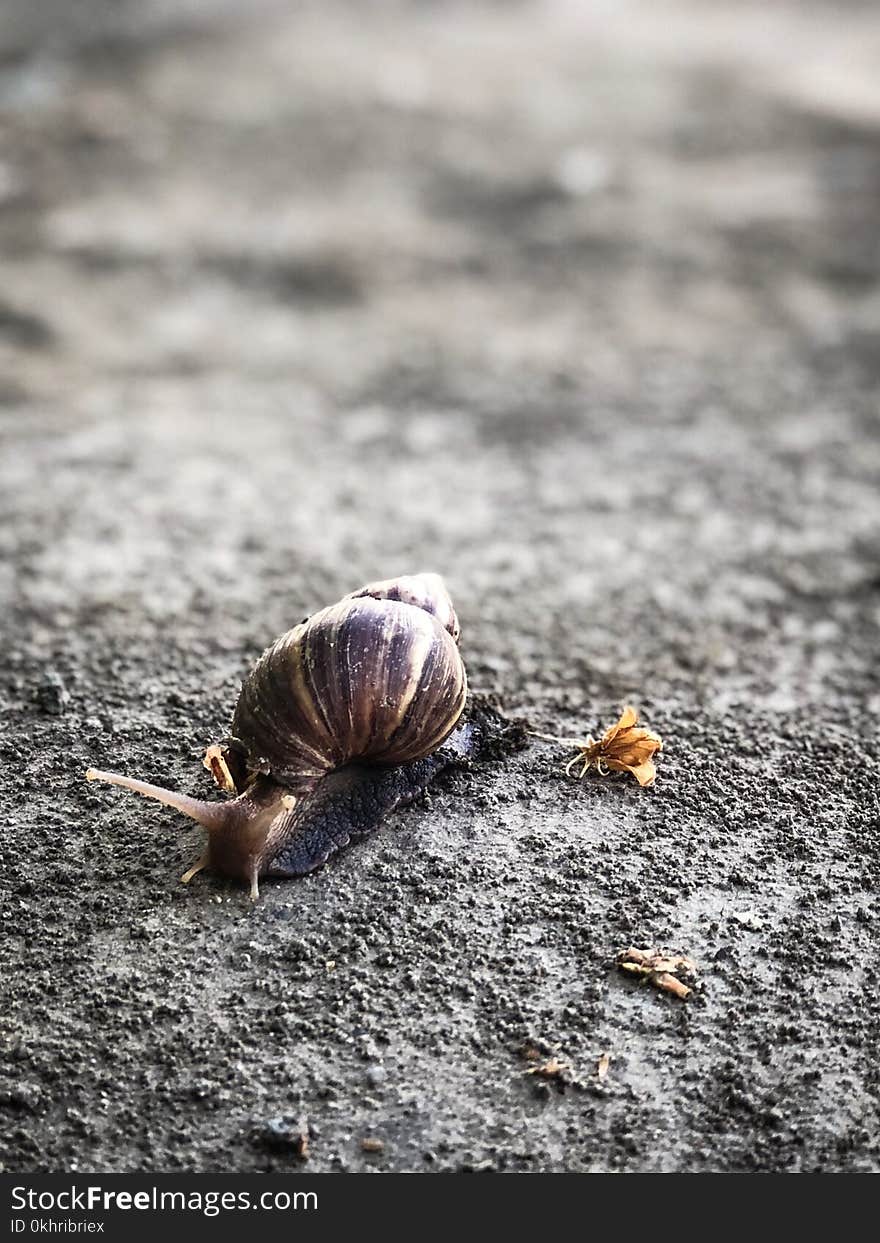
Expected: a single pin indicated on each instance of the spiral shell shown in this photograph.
(377, 678)
(425, 591)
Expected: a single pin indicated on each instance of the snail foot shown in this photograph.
(352, 802)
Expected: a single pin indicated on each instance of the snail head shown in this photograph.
(241, 831)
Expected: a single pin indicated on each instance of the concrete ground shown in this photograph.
(579, 305)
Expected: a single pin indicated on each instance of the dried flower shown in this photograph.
(622, 748)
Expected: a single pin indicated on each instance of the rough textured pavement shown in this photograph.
(579, 305)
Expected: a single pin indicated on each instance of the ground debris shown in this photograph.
(50, 694)
(661, 970)
(371, 1144)
(553, 1068)
(623, 748)
(289, 1135)
(549, 1066)
(602, 1066)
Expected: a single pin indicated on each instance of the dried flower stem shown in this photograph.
(562, 742)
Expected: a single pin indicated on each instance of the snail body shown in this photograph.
(344, 717)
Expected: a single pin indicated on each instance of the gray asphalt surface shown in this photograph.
(578, 305)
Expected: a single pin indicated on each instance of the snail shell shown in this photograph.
(377, 677)
(341, 719)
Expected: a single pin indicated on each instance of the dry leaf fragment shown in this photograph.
(622, 748)
(603, 1064)
(674, 966)
(670, 984)
(549, 1065)
(536, 1049)
(632, 959)
(661, 970)
(553, 1068)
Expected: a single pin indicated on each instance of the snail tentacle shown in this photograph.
(214, 817)
(200, 864)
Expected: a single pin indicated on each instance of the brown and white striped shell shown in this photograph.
(377, 678)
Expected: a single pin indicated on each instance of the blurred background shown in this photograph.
(576, 302)
(569, 297)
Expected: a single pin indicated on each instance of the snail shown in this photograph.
(345, 717)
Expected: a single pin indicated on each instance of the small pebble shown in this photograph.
(26, 1096)
(51, 694)
(286, 1135)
